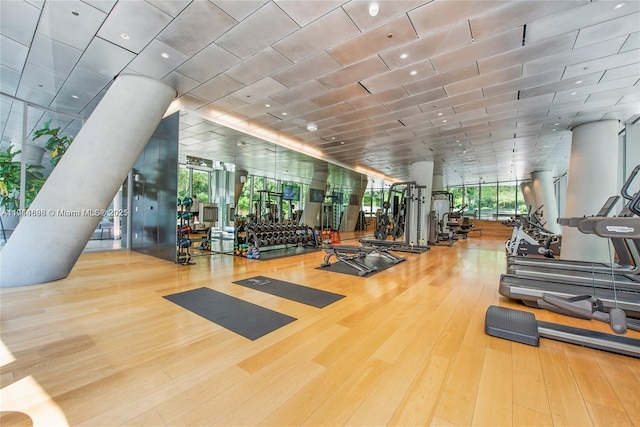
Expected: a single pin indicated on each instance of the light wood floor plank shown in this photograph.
(405, 347)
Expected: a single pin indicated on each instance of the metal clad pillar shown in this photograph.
(46, 244)
(593, 177)
(422, 174)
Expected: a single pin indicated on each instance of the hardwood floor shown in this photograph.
(406, 347)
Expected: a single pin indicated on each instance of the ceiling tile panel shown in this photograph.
(196, 26)
(359, 12)
(262, 64)
(239, 10)
(81, 81)
(355, 73)
(251, 35)
(139, 32)
(153, 63)
(105, 5)
(590, 14)
(261, 89)
(575, 56)
(105, 58)
(306, 70)
(484, 80)
(319, 35)
(438, 15)
(334, 110)
(560, 45)
(337, 96)
(367, 113)
(70, 22)
(217, 87)
(170, 7)
(181, 83)
(53, 55)
(10, 80)
(607, 30)
(602, 64)
(421, 98)
(427, 46)
(309, 89)
(621, 72)
(526, 84)
(13, 55)
(402, 115)
(516, 14)
(19, 20)
(485, 48)
(209, 62)
(374, 41)
(371, 100)
(461, 73)
(400, 76)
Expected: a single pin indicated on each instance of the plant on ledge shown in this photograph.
(10, 181)
(55, 144)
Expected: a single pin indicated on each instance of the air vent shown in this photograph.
(524, 33)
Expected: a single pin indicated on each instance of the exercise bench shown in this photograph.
(353, 255)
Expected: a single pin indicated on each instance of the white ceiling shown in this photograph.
(489, 90)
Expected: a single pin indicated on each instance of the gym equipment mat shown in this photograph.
(377, 261)
(244, 318)
(291, 291)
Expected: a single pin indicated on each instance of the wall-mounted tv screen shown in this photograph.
(290, 192)
(316, 196)
(354, 200)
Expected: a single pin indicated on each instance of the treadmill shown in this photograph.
(626, 250)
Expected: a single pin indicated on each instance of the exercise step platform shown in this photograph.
(522, 327)
(513, 325)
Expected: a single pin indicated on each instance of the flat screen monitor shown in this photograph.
(290, 192)
(316, 196)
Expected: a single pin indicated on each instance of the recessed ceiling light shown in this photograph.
(124, 36)
(74, 96)
(578, 82)
(341, 142)
(333, 137)
(444, 121)
(284, 114)
(554, 129)
(556, 124)
(573, 93)
(312, 127)
(267, 105)
(164, 55)
(374, 9)
(413, 72)
(440, 114)
(619, 5)
(403, 56)
(74, 13)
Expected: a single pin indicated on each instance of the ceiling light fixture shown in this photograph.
(374, 9)
(619, 5)
(578, 82)
(284, 114)
(573, 93)
(165, 55)
(74, 13)
(403, 56)
(124, 36)
(74, 96)
(413, 72)
(267, 105)
(312, 127)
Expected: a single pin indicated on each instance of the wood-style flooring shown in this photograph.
(406, 347)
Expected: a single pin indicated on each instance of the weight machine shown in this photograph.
(404, 200)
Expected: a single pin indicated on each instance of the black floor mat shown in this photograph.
(269, 254)
(381, 263)
(244, 318)
(303, 294)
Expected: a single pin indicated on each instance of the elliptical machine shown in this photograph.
(522, 241)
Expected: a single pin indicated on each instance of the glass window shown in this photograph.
(183, 182)
(458, 196)
(522, 205)
(200, 186)
(488, 202)
(506, 200)
(471, 199)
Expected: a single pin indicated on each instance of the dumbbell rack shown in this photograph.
(264, 236)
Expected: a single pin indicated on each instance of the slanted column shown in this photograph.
(527, 193)
(422, 174)
(544, 195)
(45, 247)
(352, 211)
(311, 212)
(593, 178)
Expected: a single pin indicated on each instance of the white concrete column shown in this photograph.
(593, 178)
(422, 174)
(438, 182)
(310, 214)
(46, 244)
(544, 195)
(527, 193)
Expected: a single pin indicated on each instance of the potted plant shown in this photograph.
(56, 144)
(10, 180)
